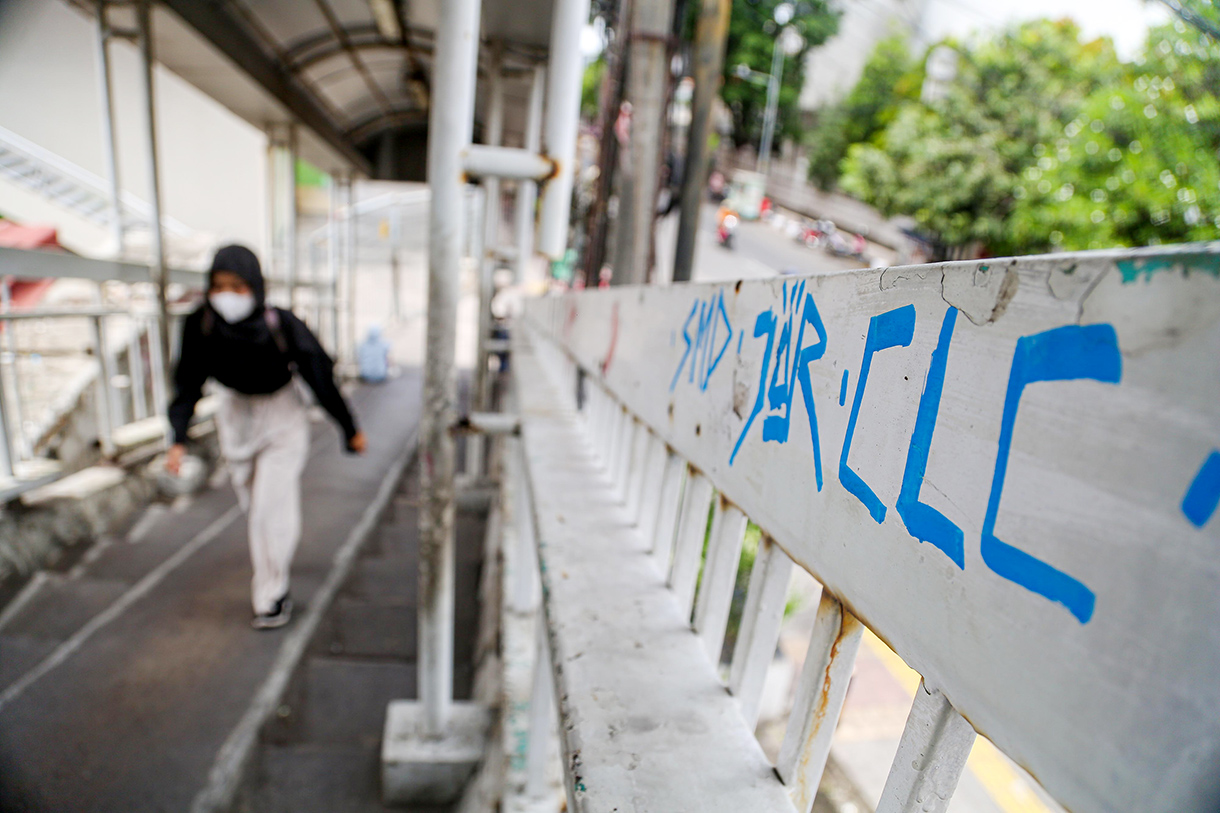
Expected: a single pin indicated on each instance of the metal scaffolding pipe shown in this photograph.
(289, 179)
(349, 265)
(493, 136)
(160, 272)
(482, 161)
(527, 191)
(332, 263)
(455, 67)
(110, 155)
(562, 119)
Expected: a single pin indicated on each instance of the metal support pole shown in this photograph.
(135, 367)
(288, 178)
(332, 261)
(562, 118)
(491, 228)
(105, 416)
(349, 265)
(395, 265)
(527, 191)
(160, 273)
(110, 155)
(768, 133)
(156, 363)
(6, 449)
(647, 84)
(315, 288)
(21, 448)
(449, 126)
(710, 36)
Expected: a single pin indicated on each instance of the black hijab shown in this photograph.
(242, 262)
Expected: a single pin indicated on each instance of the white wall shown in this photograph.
(213, 165)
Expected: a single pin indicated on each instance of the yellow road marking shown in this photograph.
(1008, 789)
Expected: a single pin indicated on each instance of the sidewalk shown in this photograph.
(121, 680)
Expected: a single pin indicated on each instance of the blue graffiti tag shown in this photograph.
(701, 349)
(790, 370)
(894, 328)
(923, 521)
(1204, 493)
(1063, 354)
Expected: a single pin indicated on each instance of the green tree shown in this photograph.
(1140, 163)
(751, 38)
(890, 76)
(591, 86)
(1047, 142)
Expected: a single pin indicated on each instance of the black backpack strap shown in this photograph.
(272, 317)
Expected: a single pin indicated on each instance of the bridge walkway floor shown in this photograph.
(121, 680)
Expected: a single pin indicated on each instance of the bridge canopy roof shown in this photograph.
(354, 74)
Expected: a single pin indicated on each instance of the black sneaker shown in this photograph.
(278, 617)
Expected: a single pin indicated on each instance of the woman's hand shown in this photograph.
(358, 444)
(173, 458)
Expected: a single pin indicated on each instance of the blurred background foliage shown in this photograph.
(1042, 142)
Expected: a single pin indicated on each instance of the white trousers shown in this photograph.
(265, 441)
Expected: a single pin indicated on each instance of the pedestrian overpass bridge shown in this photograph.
(1006, 469)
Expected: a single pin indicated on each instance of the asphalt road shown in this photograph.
(761, 250)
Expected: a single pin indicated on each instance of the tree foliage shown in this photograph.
(1047, 142)
(891, 75)
(751, 38)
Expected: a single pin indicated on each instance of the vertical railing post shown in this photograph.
(135, 367)
(157, 366)
(760, 622)
(20, 447)
(692, 531)
(105, 416)
(449, 128)
(6, 448)
(931, 755)
(819, 700)
(527, 191)
(719, 578)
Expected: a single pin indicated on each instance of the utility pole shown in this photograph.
(609, 100)
(710, 35)
(648, 80)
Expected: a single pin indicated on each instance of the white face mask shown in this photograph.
(232, 307)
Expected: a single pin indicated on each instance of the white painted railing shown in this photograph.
(1006, 469)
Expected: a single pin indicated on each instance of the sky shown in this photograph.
(1124, 21)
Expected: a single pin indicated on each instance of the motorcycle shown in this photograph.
(726, 231)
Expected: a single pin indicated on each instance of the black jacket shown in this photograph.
(246, 356)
